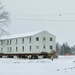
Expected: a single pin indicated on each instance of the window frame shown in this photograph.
(22, 48)
(30, 47)
(1, 49)
(51, 47)
(22, 40)
(7, 42)
(29, 39)
(44, 38)
(51, 39)
(37, 38)
(16, 41)
(44, 47)
(37, 47)
(16, 49)
(10, 49)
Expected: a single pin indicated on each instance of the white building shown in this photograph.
(35, 42)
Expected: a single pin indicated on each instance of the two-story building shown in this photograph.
(34, 42)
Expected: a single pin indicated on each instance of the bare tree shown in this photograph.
(4, 19)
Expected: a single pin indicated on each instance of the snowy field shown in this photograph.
(64, 65)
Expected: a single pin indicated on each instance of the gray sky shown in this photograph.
(35, 15)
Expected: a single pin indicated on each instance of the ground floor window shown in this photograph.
(16, 49)
(10, 49)
(51, 47)
(43, 47)
(1, 49)
(37, 47)
(22, 48)
(30, 48)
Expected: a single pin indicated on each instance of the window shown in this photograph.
(7, 49)
(43, 47)
(1, 49)
(30, 40)
(51, 39)
(30, 48)
(16, 41)
(22, 40)
(44, 39)
(37, 38)
(10, 42)
(51, 47)
(1, 42)
(10, 49)
(16, 49)
(7, 42)
(37, 47)
(22, 48)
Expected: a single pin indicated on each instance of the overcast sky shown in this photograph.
(56, 16)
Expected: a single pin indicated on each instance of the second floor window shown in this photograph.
(30, 40)
(10, 42)
(37, 38)
(16, 41)
(1, 42)
(7, 42)
(22, 40)
(51, 39)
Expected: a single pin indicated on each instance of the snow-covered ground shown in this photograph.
(64, 65)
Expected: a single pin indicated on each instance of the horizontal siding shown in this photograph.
(47, 43)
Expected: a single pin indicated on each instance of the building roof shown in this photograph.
(20, 35)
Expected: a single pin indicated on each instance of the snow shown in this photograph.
(64, 65)
(21, 35)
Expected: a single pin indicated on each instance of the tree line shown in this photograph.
(65, 49)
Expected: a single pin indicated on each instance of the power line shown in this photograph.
(44, 20)
(55, 14)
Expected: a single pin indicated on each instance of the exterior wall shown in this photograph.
(47, 43)
(11, 47)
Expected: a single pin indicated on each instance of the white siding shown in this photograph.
(41, 43)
